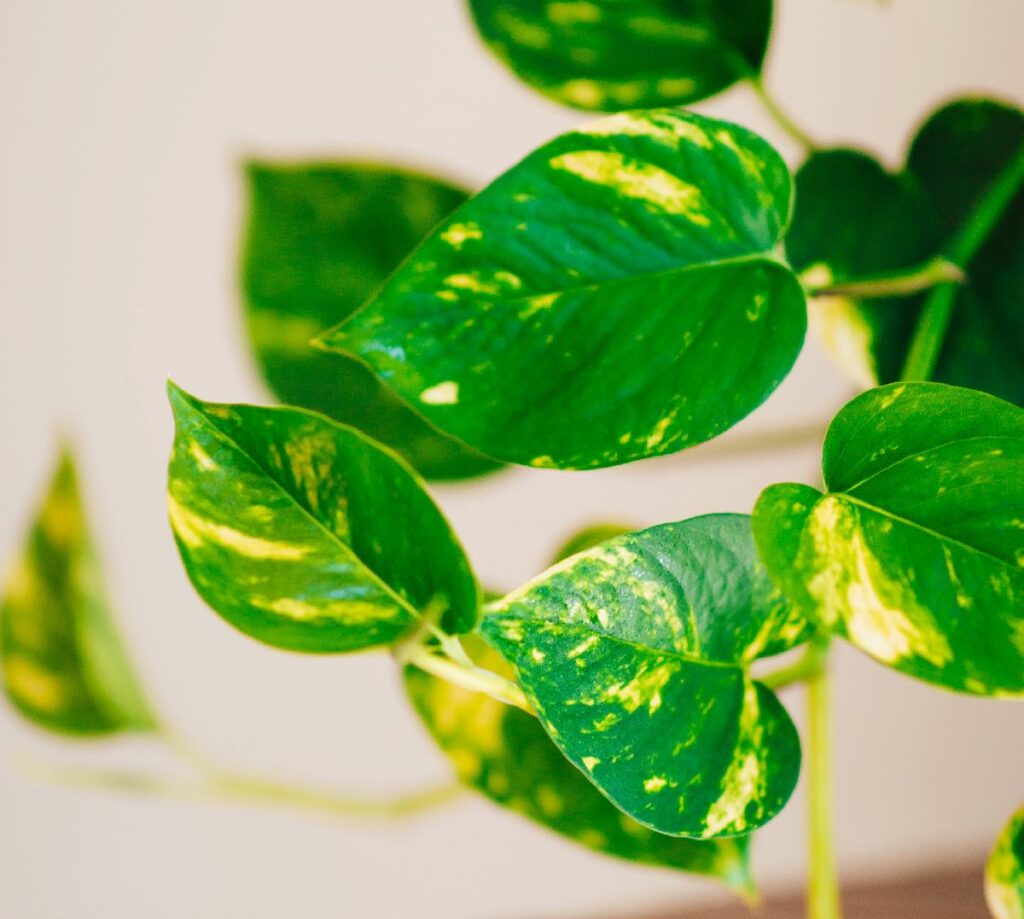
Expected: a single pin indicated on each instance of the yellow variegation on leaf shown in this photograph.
(64, 667)
(1004, 873)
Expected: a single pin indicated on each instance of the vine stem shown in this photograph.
(903, 283)
(778, 115)
(224, 786)
(807, 667)
(823, 887)
(933, 323)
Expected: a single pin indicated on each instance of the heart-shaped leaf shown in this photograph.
(504, 753)
(916, 554)
(854, 219)
(635, 655)
(1004, 873)
(608, 56)
(306, 534)
(320, 238)
(64, 666)
(617, 295)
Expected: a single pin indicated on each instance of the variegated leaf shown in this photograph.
(320, 238)
(854, 219)
(916, 553)
(636, 654)
(1004, 873)
(304, 533)
(63, 664)
(504, 753)
(617, 295)
(608, 56)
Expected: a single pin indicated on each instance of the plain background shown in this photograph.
(122, 124)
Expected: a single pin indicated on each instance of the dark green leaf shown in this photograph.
(608, 56)
(306, 534)
(617, 295)
(1004, 873)
(854, 219)
(587, 538)
(320, 239)
(63, 664)
(916, 554)
(504, 753)
(635, 655)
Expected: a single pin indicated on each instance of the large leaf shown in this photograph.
(607, 56)
(63, 664)
(304, 533)
(916, 554)
(635, 655)
(504, 753)
(320, 238)
(1004, 873)
(617, 295)
(855, 219)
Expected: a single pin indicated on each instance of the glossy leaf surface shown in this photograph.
(916, 554)
(505, 753)
(1004, 873)
(614, 296)
(304, 533)
(635, 656)
(320, 239)
(855, 219)
(608, 56)
(64, 666)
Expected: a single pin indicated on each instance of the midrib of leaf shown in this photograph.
(906, 521)
(346, 550)
(634, 645)
(932, 449)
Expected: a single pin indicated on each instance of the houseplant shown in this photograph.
(700, 207)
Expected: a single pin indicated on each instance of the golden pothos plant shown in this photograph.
(630, 289)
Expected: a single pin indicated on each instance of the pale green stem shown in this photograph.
(807, 667)
(785, 123)
(468, 676)
(224, 787)
(823, 887)
(933, 323)
(895, 284)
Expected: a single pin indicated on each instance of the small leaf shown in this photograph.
(601, 56)
(635, 655)
(587, 538)
(306, 534)
(1004, 873)
(916, 554)
(320, 239)
(504, 753)
(854, 219)
(615, 296)
(64, 667)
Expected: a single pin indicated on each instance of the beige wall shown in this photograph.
(121, 125)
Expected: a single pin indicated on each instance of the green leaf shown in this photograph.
(617, 295)
(1004, 873)
(587, 538)
(504, 753)
(604, 56)
(635, 655)
(855, 219)
(320, 239)
(64, 667)
(305, 534)
(916, 554)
